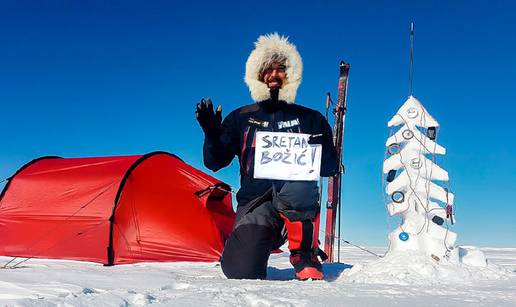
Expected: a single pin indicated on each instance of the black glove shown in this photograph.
(209, 120)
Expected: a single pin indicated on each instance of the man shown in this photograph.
(268, 207)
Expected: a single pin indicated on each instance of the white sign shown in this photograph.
(286, 156)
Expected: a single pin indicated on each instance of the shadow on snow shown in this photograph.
(332, 271)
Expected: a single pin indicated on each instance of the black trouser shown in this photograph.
(259, 227)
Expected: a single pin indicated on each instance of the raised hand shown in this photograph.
(209, 120)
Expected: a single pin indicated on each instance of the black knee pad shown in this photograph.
(247, 251)
(297, 200)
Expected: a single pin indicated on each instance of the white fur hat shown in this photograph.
(268, 48)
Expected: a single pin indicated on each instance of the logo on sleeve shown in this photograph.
(259, 123)
(288, 123)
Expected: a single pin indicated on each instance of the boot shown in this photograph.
(304, 246)
(306, 265)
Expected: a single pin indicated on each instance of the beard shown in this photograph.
(274, 94)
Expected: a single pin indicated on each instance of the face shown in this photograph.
(274, 76)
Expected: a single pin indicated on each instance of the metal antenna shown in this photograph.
(411, 68)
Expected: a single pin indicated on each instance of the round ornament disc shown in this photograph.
(407, 134)
(416, 163)
(412, 113)
(398, 197)
(404, 236)
(393, 148)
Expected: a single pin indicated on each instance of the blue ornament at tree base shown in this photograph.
(404, 236)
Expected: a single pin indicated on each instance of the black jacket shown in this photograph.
(238, 133)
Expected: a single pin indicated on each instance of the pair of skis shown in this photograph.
(333, 203)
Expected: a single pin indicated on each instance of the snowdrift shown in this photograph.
(466, 265)
(114, 210)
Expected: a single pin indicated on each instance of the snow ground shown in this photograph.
(40, 282)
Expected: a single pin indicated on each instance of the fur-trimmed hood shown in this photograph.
(267, 48)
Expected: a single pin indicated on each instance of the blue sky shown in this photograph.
(97, 78)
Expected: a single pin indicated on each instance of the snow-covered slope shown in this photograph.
(370, 282)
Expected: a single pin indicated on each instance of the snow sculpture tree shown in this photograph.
(425, 208)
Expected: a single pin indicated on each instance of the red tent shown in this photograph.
(115, 210)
